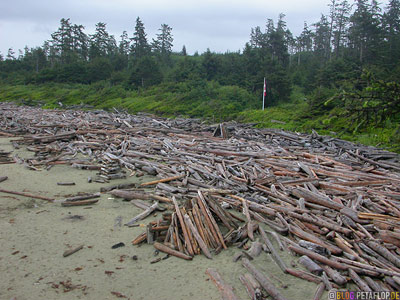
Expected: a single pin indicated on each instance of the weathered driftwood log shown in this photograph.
(79, 203)
(81, 197)
(26, 195)
(252, 286)
(66, 183)
(304, 275)
(162, 180)
(170, 251)
(318, 257)
(142, 215)
(130, 195)
(198, 238)
(310, 265)
(319, 291)
(384, 252)
(263, 280)
(360, 283)
(72, 251)
(312, 238)
(334, 275)
(316, 198)
(271, 248)
(225, 289)
(184, 228)
(255, 249)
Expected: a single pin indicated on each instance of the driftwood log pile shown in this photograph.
(333, 203)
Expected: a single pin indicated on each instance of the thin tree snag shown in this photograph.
(226, 290)
(198, 238)
(183, 226)
(163, 180)
(263, 280)
(26, 195)
(170, 251)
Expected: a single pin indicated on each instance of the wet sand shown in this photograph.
(34, 235)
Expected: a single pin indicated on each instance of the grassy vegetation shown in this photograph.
(210, 101)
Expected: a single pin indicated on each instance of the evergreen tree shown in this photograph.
(163, 43)
(140, 46)
(124, 44)
(183, 52)
(341, 20)
(80, 42)
(391, 25)
(322, 39)
(62, 42)
(101, 42)
(364, 33)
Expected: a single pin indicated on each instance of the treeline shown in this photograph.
(349, 58)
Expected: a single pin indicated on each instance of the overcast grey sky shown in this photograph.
(220, 25)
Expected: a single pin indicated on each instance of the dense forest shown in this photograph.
(340, 76)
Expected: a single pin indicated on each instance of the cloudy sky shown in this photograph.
(220, 25)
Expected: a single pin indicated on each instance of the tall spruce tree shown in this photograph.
(163, 43)
(139, 46)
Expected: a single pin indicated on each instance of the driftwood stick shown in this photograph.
(312, 238)
(72, 251)
(82, 197)
(334, 275)
(252, 286)
(208, 214)
(139, 239)
(163, 180)
(357, 265)
(142, 215)
(360, 283)
(197, 236)
(304, 275)
(319, 291)
(384, 252)
(183, 226)
(317, 257)
(310, 265)
(225, 289)
(271, 248)
(170, 251)
(26, 195)
(79, 203)
(130, 195)
(263, 280)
